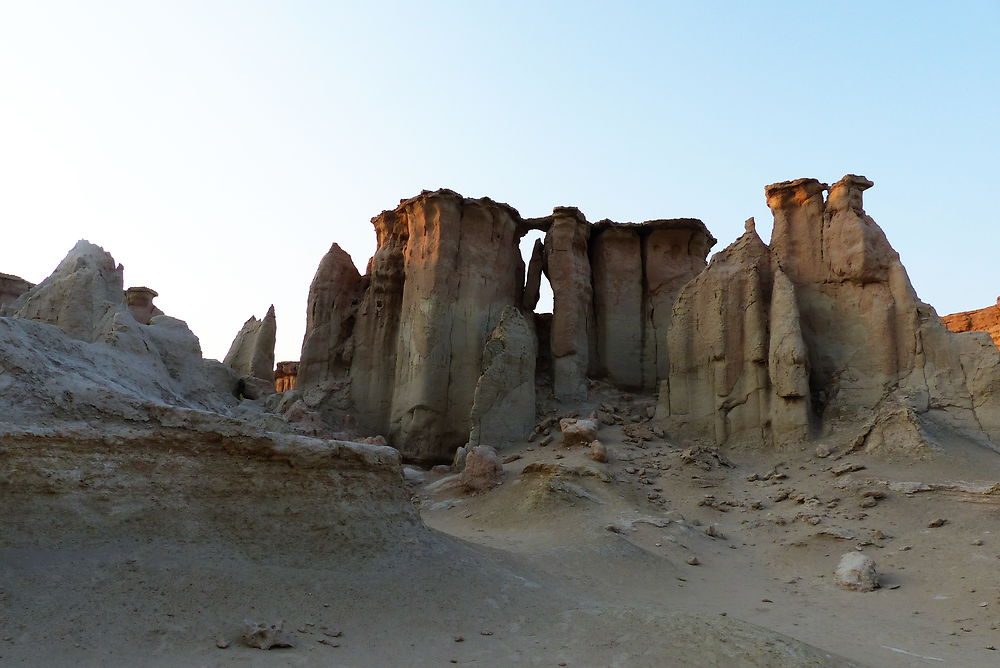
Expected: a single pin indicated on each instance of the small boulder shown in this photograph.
(857, 571)
(266, 636)
(598, 452)
(575, 431)
(458, 461)
(482, 471)
(373, 440)
(255, 388)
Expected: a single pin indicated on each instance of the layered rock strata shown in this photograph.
(115, 432)
(981, 320)
(821, 335)
(252, 351)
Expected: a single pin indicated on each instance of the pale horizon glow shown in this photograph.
(216, 149)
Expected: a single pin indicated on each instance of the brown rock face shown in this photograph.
(981, 320)
(567, 265)
(638, 270)
(437, 347)
(729, 369)
(503, 409)
(140, 303)
(252, 351)
(333, 303)
(820, 335)
(285, 376)
(445, 269)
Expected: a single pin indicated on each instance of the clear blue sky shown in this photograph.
(218, 148)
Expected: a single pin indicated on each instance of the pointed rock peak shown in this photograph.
(750, 225)
(84, 246)
(270, 313)
(747, 249)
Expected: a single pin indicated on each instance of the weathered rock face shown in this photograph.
(327, 349)
(126, 434)
(820, 335)
(12, 287)
(445, 270)
(638, 270)
(285, 376)
(567, 265)
(73, 351)
(981, 320)
(503, 409)
(140, 303)
(82, 297)
(416, 348)
(719, 385)
(252, 351)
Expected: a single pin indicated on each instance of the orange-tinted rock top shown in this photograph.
(982, 320)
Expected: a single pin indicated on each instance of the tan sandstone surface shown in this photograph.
(676, 467)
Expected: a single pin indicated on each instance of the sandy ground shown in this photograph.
(572, 562)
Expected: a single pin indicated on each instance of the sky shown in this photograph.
(216, 149)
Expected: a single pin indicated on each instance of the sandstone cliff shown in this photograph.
(415, 349)
(638, 270)
(410, 335)
(821, 335)
(981, 320)
(252, 351)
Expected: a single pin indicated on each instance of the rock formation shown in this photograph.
(12, 287)
(572, 337)
(445, 270)
(638, 270)
(252, 351)
(333, 299)
(140, 303)
(84, 296)
(820, 335)
(437, 345)
(503, 408)
(122, 432)
(285, 376)
(73, 341)
(981, 320)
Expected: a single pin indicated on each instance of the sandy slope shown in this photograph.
(773, 567)
(573, 565)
